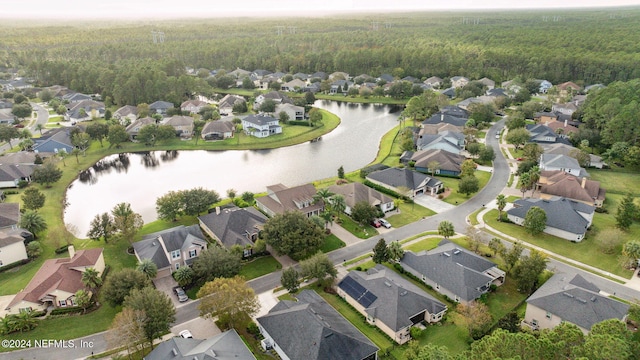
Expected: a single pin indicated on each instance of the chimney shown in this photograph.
(72, 251)
(217, 210)
(584, 181)
(565, 122)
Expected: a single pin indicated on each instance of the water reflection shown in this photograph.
(119, 163)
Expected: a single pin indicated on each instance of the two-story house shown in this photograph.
(261, 125)
(281, 199)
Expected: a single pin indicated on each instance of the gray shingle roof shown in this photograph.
(548, 161)
(397, 299)
(177, 238)
(562, 213)
(311, 329)
(449, 118)
(576, 301)
(9, 214)
(225, 346)
(233, 225)
(399, 177)
(259, 119)
(455, 269)
(446, 160)
(160, 105)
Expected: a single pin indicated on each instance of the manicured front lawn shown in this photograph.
(363, 232)
(408, 213)
(425, 244)
(513, 198)
(617, 181)
(585, 251)
(331, 243)
(456, 198)
(259, 267)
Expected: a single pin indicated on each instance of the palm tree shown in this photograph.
(534, 177)
(33, 222)
(25, 321)
(501, 201)
(395, 251)
(184, 276)
(40, 127)
(338, 204)
(91, 279)
(63, 155)
(324, 195)
(76, 152)
(327, 217)
(148, 267)
(524, 183)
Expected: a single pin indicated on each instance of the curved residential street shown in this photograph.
(267, 283)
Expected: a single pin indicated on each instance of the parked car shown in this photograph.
(186, 334)
(182, 297)
(376, 223)
(384, 223)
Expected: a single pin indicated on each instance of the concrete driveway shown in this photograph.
(166, 285)
(199, 327)
(432, 203)
(4, 302)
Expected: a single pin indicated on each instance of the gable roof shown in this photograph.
(75, 97)
(446, 160)
(54, 139)
(11, 172)
(87, 106)
(566, 127)
(568, 84)
(451, 139)
(357, 192)
(9, 214)
(126, 110)
(311, 329)
(395, 299)
(561, 161)
(260, 119)
(135, 126)
(278, 97)
(400, 177)
(562, 213)
(577, 301)
(455, 269)
(58, 274)
(229, 100)
(9, 238)
(177, 238)
(433, 80)
(449, 117)
(217, 126)
(281, 198)
(225, 346)
(560, 183)
(179, 120)
(160, 105)
(564, 149)
(233, 225)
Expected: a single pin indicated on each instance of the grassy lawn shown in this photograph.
(363, 232)
(331, 243)
(584, 251)
(450, 335)
(55, 119)
(513, 198)
(455, 198)
(617, 181)
(504, 299)
(424, 244)
(510, 181)
(408, 213)
(473, 218)
(260, 266)
(355, 260)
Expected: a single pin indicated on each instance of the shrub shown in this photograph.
(66, 310)
(253, 329)
(415, 332)
(22, 183)
(62, 249)
(15, 264)
(493, 287)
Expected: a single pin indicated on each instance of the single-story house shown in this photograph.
(9, 215)
(74, 97)
(11, 175)
(182, 124)
(57, 281)
(456, 272)
(54, 141)
(160, 107)
(566, 219)
(294, 112)
(452, 117)
(459, 81)
(172, 248)
(225, 346)
(239, 73)
(218, 130)
(311, 329)
(193, 106)
(451, 141)
(340, 86)
(389, 301)
(84, 110)
(567, 109)
(543, 134)
(356, 192)
(572, 299)
(276, 96)
(225, 105)
(454, 110)
(234, 226)
(281, 199)
(434, 81)
(12, 248)
(261, 125)
(488, 83)
(126, 114)
(559, 183)
(450, 92)
(134, 128)
(564, 149)
(449, 163)
(293, 85)
(406, 182)
(561, 162)
(6, 117)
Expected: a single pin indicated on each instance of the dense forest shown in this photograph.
(584, 46)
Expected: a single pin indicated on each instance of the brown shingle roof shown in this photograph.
(446, 160)
(560, 183)
(567, 129)
(357, 192)
(281, 198)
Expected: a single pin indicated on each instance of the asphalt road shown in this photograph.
(271, 281)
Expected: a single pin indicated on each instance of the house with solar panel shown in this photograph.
(389, 301)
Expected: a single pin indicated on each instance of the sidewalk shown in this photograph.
(594, 270)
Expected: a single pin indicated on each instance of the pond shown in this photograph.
(140, 178)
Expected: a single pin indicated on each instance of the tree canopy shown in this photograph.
(293, 234)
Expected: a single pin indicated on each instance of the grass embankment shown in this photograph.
(456, 198)
(408, 213)
(331, 243)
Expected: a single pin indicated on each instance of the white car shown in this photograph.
(384, 223)
(186, 334)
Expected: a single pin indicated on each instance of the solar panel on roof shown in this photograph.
(352, 288)
(367, 299)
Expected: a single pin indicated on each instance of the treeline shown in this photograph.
(585, 46)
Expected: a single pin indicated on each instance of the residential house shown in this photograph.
(57, 281)
(261, 125)
(466, 103)
(6, 117)
(260, 73)
(9, 215)
(172, 248)
(134, 128)
(563, 163)
(566, 219)
(451, 141)
(488, 83)
(225, 346)
(239, 73)
(310, 329)
(406, 182)
(294, 85)
(567, 109)
(567, 88)
(543, 134)
(126, 114)
(84, 110)
(281, 199)
(225, 105)
(218, 130)
(594, 87)
(448, 163)
(301, 76)
(12, 248)
(53, 141)
(459, 81)
(19, 158)
(320, 75)
(338, 75)
(497, 92)
(276, 96)
(193, 106)
(12, 174)
(410, 79)
(294, 112)
(182, 124)
(313, 87)
(340, 86)
(434, 81)
(564, 149)
(454, 110)
(434, 129)
(58, 91)
(387, 78)
(562, 127)
(234, 226)
(389, 301)
(571, 299)
(458, 273)
(559, 183)
(511, 86)
(544, 117)
(160, 107)
(578, 100)
(544, 86)
(5, 104)
(452, 118)
(356, 192)
(74, 97)
(450, 92)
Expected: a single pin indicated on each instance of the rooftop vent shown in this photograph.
(593, 299)
(153, 243)
(446, 254)
(582, 300)
(387, 283)
(403, 293)
(567, 295)
(456, 251)
(175, 352)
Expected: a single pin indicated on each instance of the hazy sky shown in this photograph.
(76, 9)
